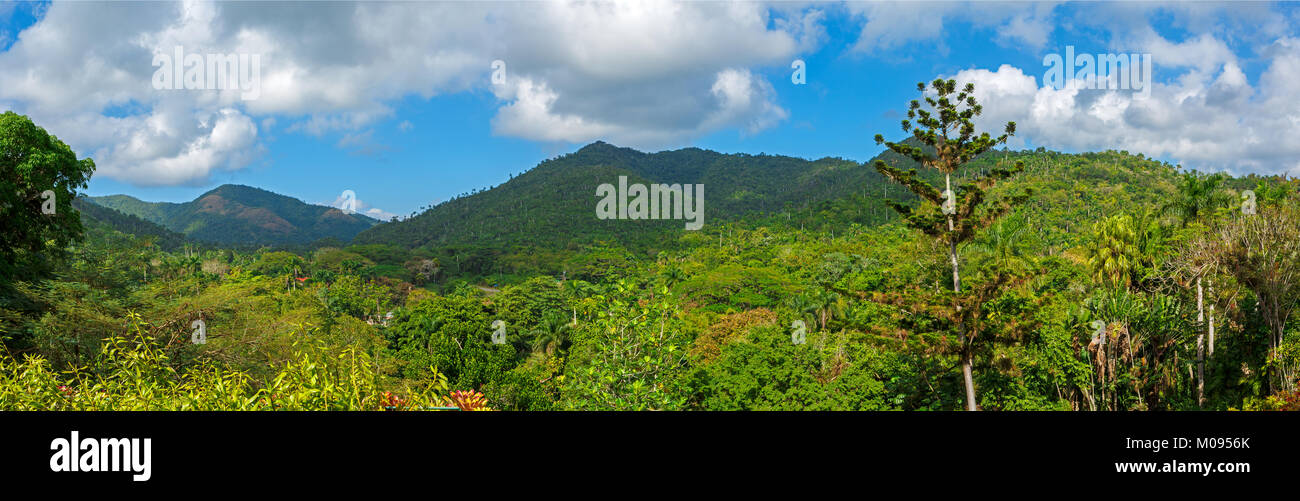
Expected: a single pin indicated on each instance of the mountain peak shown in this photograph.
(237, 189)
(603, 148)
(235, 213)
(596, 145)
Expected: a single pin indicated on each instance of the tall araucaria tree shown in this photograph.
(945, 130)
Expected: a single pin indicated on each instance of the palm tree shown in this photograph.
(1113, 253)
(192, 264)
(552, 334)
(1197, 196)
(578, 293)
(671, 275)
(829, 305)
(1143, 332)
(147, 253)
(820, 306)
(804, 307)
(1004, 240)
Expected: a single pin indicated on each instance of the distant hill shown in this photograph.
(93, 214)
(553, 204)
(236, 214)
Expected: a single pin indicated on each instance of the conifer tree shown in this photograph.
(944, 128)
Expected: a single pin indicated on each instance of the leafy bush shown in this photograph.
(135, 373)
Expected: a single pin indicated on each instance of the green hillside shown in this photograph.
(93, 215)
(553, 205)
(235, 214)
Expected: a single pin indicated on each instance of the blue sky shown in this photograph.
(397, 103)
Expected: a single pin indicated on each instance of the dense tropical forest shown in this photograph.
(947, 268)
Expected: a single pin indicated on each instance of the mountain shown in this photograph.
(236, 214)
(93, 215)
(554, 204)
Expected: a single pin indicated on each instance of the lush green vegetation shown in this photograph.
(99, 219)
(1082, 296)
(551, 206)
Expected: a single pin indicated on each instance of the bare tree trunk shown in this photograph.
(967, 378)
(1276, 367)
(961, 332)
(1210, 285)
(1273, 337)
(1287, 382)
(1200, 345)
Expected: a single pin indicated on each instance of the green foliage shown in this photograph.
(635, 317)
(135, 373)
(767, 371)
(93, 215)
(278, 263)
(351, 295)
(631, 357)
(526, 304)
(1114, 253)
(944, 138)
(451, 334)
(36, 229)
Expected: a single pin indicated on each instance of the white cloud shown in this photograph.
(736, 98)
(1031, 27)
(1203, 111)
(171, 146)
(645, 74)
(889, 25)
(532, 115)
(642, 74)
(746, 100)
(1210, 120)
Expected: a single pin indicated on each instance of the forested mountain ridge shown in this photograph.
(93, 215)
(243, 215)
(553, 204)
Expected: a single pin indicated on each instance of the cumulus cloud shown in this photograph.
(745, 100)
(646, 74)
(1210, 120)
(888, 25)
(1202, 110)
(735, 98)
